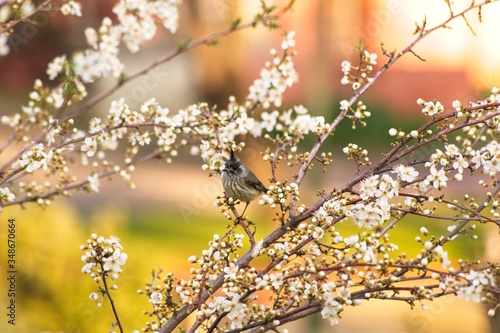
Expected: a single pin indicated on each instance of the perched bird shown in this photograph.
(240, 182)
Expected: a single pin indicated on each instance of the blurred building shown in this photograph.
(458, 64)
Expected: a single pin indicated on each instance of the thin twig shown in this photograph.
(111, 301)
(9, 25)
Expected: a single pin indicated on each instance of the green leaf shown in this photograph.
(236, 22)
(183, 42)
(213, 42)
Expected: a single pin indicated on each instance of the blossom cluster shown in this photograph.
(375, 208)
(34, 159)
(358, 114)
(6, 195)
(357, 153)
(103, 259)
(276, 77)
(357, 75)
(213, 261)
(136, 25)
(292, 125)
(278, 194)
(137, 19)
(477, 282)
(334, 298)
(431, 108)
(376, 199)
(103, 255)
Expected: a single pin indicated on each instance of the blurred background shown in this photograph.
(171, 213)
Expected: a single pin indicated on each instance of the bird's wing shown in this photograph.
(256, 183)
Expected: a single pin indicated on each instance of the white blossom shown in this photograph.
(35, 158)
(115, 262)
(94, 182)
(71, 8)
(156, 297)
(405, 173)
(432, 108)
(437, 178)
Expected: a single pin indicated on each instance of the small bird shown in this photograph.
(240, 182)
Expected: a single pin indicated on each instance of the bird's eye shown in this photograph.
(233, 167)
